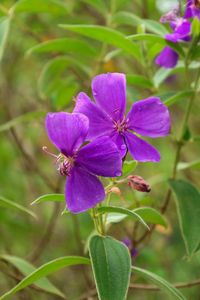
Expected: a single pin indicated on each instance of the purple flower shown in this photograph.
(192, 9)
(181, 27)
(101, 157)
(148, 117)
(167, 58)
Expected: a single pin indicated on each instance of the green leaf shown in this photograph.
(49, 197)
(53, 79)
(128, 167)
(195, 27)
(111, 264)
(165, 286)
(25, 268)
(123, 211)
(149, 214)
(195, 165)
(28, 117)
(13, 205)
(147, 37)
(46, 270)
(139, 80)
(178, 96)
(99, 5)
(160, 76)
(4, 30)
(64, 45)
(34, 6)
(133, 20)
(106, 35)
(187, 202)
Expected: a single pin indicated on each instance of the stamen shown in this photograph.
(45, 149)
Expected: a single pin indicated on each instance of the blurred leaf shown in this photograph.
(195, 53)
(49, 197)
(133, 20)
(128, 167)
(187, 134)
(187, 202)
(111, 264)
(160, 282)
(63, 45)
(26, 268)
(178, 96)
(13, 205)
(53, 79)
(46, 270)
(139, 80)
(123, 211)
(150, 215)
(99, 5)
(4, 30)
(33, 6)
(189, 165)
(160, 76)
(106, 35)
(147, 37)
(28, 117)
(195, 27)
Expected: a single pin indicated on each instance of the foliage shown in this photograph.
(50, 51)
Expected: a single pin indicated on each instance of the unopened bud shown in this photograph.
(138, 183)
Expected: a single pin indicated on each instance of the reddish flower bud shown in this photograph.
(138, 183)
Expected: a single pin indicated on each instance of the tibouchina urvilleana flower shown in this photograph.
(181, 27)
(82, 165)
(192, 9)
(148, 117)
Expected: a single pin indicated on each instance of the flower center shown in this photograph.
(65, 164)
(121, 126)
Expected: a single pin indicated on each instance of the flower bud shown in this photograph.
(138, 183)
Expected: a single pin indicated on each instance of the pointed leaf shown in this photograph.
(106, 35)
(165, 286)
(33, 6)
(123, 211)
(188, 207)
(46, 270)
(30, 116)
(64, 45)
(111, 264)
(49, 197)
(149, 214)
(25, 268)
(13, 205)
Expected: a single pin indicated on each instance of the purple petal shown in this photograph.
(119, 140)
(149, 117)
(141, 150)
(167, 58)
(109, 91)
(83, 190)
(67, 131)
(188, 12)
(100, 122)
(101, 157)
(181, 32)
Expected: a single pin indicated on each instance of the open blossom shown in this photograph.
(101, 157)
(181, 27)
(148, 117)
(192, 9)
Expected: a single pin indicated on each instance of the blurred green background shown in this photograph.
(39, 80)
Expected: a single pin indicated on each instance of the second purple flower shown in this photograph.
(148, 117)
